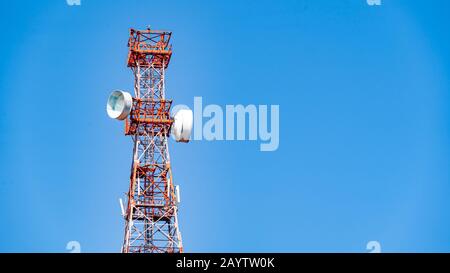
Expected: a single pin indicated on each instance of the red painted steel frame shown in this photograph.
(151, 214)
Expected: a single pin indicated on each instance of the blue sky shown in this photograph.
(364, 124)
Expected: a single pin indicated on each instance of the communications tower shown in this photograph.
(151, 213)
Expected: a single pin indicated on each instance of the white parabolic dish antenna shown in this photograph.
(119, 105)
(182, 125)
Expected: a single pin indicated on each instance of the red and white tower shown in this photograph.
(151, 213)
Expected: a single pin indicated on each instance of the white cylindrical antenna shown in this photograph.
(119, 105)
(139, 185)
(168, 187)
(121, 207)
(177, 192)
(182, 126)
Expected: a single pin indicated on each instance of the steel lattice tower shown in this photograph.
(151, 214)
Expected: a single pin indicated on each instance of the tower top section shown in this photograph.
(149, 48)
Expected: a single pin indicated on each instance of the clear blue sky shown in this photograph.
(364, 123)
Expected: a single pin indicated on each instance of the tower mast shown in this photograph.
(151, 213)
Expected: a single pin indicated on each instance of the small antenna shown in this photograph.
(121, 207)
